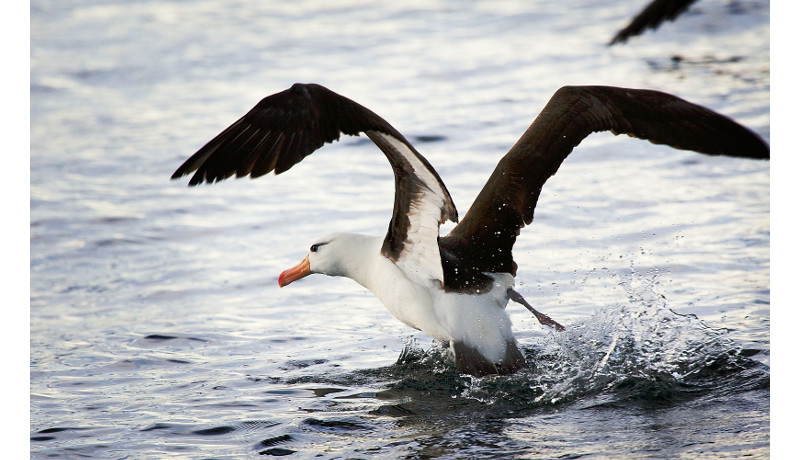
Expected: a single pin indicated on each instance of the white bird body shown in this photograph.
(479, 321)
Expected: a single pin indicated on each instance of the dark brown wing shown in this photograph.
(279, 132)
(656, 12)
(484, 238)
(286, 127)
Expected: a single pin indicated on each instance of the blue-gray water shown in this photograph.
(157, 328)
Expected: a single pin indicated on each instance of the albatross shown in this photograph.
(453, 287)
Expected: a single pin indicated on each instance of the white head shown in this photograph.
(336, 254)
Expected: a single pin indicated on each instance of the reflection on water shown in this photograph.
(157, 327)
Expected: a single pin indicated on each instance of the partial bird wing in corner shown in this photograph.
(656, 12)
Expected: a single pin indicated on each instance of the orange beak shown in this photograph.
(300, 270)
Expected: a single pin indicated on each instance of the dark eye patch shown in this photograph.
(316, 246)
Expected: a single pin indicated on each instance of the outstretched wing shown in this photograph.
(484, 238)
(286, 127)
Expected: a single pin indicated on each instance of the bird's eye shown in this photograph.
(315, 247)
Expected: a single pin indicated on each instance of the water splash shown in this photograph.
(641, 350)
(642, 341)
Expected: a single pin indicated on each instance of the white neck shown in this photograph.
(354, 256)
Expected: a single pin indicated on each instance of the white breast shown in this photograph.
(478, 320)
(405, 299)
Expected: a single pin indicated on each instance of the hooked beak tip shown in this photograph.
(290, 275)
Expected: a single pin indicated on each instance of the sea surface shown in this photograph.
(157, 328)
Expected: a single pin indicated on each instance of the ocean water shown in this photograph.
(157, 328)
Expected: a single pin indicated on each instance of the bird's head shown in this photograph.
(330, 255)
